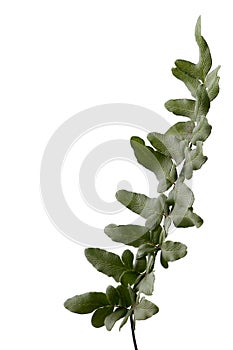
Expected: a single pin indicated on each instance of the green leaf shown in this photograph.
(167, 224)
(203, 103)
(194, 159)
(150, 263)
(198, 159)
(190, 219)
(183, 107)
(162, 236)
(188, 68)
(129, 278)
(129, 313)
(182, 130)
(163, 262)
(183, 196)
(140, 264)
(142, 205)
(145, 309)
(188, 167)
(156, 235)
(191, 82)
(99, 316)
(86, 303)
(127, 258)
(183, 199)
(171, 197)
(133, 235)
(201, 69)
(168, 145)
(132, 294)
(124, 296)
(160, 209)
(112, 295)
(212, 84)
(136, 202)
(202, 131)
(111, 319)
(108, 263)
(160, 165)
(146, 285)
(172, 251)
(205, 60)
(145, 249)
(153, 221)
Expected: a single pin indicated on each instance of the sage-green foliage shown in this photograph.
(172, 157)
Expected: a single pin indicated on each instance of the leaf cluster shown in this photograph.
(172, 157)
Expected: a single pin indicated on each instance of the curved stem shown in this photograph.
(133, 332)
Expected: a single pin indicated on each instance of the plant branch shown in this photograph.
(173, 158)
(133, 332)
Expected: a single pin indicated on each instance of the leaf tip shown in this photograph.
(66, 303)
(86, 251)
(198, 30)
(137, 139)
(200, 222)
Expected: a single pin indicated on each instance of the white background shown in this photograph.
(58, 58)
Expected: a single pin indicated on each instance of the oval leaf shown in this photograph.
(146, 285)
(145, 249)
(133, 235)
(188, 68)
(160, 165)
(86, 303)
(191, 82)
(205, 60)
(202, 131)
(127, 257)
(111, 319)
(129, 313)
(203, 102)
(124, 296)
(108, 263)
(183, 107)
(145, 309)
(140, 264)
(168, 145)
(212, 83)
(172, 251)
(163, 262)
(194, 159)
(129, 278)
(183, 199)
(182, 130)
(99, 316)
(189, 219)
(112, 295)
(141, 204)
(201, 69)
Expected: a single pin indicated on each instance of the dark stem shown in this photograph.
(133, 332)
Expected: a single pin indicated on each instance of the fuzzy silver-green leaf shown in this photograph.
(160, 165)
(111, 319)
(133, 235)
(182, 130)
(146, 285)
(168, 145)
(172, 251)
(99, 316)
(145, 309)
(106, 262)
(184, 107)
(86, 303)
